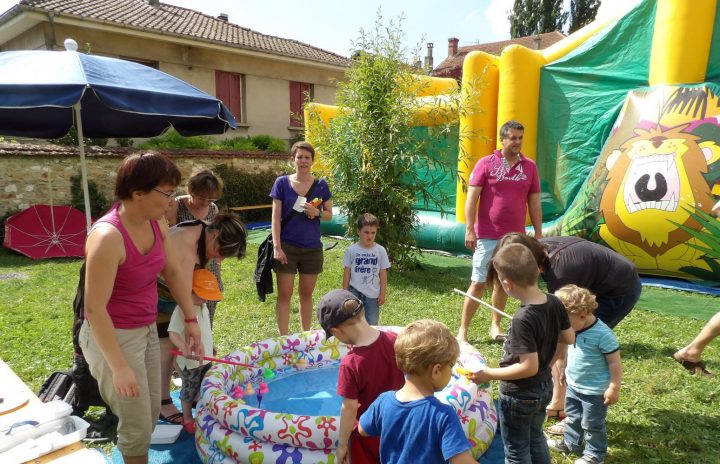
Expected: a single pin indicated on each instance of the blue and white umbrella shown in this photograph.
(44, 93)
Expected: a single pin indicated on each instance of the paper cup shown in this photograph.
(299, 205)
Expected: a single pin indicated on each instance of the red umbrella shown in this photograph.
(43, 231)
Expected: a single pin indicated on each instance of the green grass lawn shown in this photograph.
(664, 414)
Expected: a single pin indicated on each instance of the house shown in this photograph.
(452, 65)
(262, 79)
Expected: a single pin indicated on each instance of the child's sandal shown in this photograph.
(189, 426)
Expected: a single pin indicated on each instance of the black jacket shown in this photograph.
(263, 269)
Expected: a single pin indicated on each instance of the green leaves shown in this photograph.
(377, 162)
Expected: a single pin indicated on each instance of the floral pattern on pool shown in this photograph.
(298, 420)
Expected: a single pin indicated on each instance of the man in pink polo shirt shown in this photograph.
(506, 184)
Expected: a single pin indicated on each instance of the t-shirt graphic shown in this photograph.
(365, 265)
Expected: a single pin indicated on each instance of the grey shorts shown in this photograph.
(191, 381)
(481, 259)
(300, 260)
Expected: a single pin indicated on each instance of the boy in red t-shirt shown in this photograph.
(368, 370)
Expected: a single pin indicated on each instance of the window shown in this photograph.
(299, 92)
(150, 63)
(229, 89)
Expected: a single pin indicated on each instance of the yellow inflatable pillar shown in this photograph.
(681, 41)
(317, 113)
(425, 86)
(519, 92)
(478, 119)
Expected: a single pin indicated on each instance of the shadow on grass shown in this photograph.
(675, 436)
(638, 350)
(435, 278)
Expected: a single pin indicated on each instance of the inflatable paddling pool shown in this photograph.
(297, 418)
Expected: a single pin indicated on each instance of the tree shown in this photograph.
(374, 160)
(582, 12)
(529, 17)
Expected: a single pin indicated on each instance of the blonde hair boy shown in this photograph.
(413, 425)
(423, 344)
(593, 375)
(577, 300)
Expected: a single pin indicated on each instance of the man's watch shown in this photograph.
(320, 211)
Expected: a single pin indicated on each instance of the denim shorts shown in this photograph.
(481, 258)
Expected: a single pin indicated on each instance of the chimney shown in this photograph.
(429, 57)
(154, 2)
(537, 41)
(223, 17)
(452, 46)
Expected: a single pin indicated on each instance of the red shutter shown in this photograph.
(296, 102)
(227, 89)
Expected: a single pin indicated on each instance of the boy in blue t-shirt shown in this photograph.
(413, 425)
(593, 373)
(366, 264)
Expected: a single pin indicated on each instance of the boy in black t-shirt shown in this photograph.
(538, 326)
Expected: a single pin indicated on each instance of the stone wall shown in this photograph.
(39, 174)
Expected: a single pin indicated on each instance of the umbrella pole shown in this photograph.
(83, 166)
(52, 210)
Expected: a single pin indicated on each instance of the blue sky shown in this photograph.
(332, 24)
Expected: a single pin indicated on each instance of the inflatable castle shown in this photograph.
(622, 120)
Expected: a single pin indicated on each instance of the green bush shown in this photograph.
(377, 163)
(71, 139)
(297, 137)
(246, 189)
(269, 143)
(171, 139)
(98, 202)
(238, 144)
(124, 141)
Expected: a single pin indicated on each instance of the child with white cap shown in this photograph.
(205, 287)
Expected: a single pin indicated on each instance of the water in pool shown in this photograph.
(308, 392)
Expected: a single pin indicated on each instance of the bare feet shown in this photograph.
(462, 335)
(694, 366)
(496, 334)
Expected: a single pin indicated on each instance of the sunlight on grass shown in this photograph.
(664, 414)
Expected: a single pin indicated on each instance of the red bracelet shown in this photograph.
(191, 320)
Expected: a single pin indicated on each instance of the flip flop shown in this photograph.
(695, 368)
(176, 418)
(172, 418)
(556, 429)
(499, 338)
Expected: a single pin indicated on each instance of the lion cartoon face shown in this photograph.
(653, 180)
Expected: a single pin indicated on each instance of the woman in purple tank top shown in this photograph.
(125, 251)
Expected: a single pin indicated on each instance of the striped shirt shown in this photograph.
(587, 369)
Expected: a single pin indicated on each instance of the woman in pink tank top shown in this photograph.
(125, 251)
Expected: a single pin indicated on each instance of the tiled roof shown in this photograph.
(452, 65)
(175, 20)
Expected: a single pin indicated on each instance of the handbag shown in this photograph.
(266, 250)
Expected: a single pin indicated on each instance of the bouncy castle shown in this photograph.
(623, 120)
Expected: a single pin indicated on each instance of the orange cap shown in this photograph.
(205, 285)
